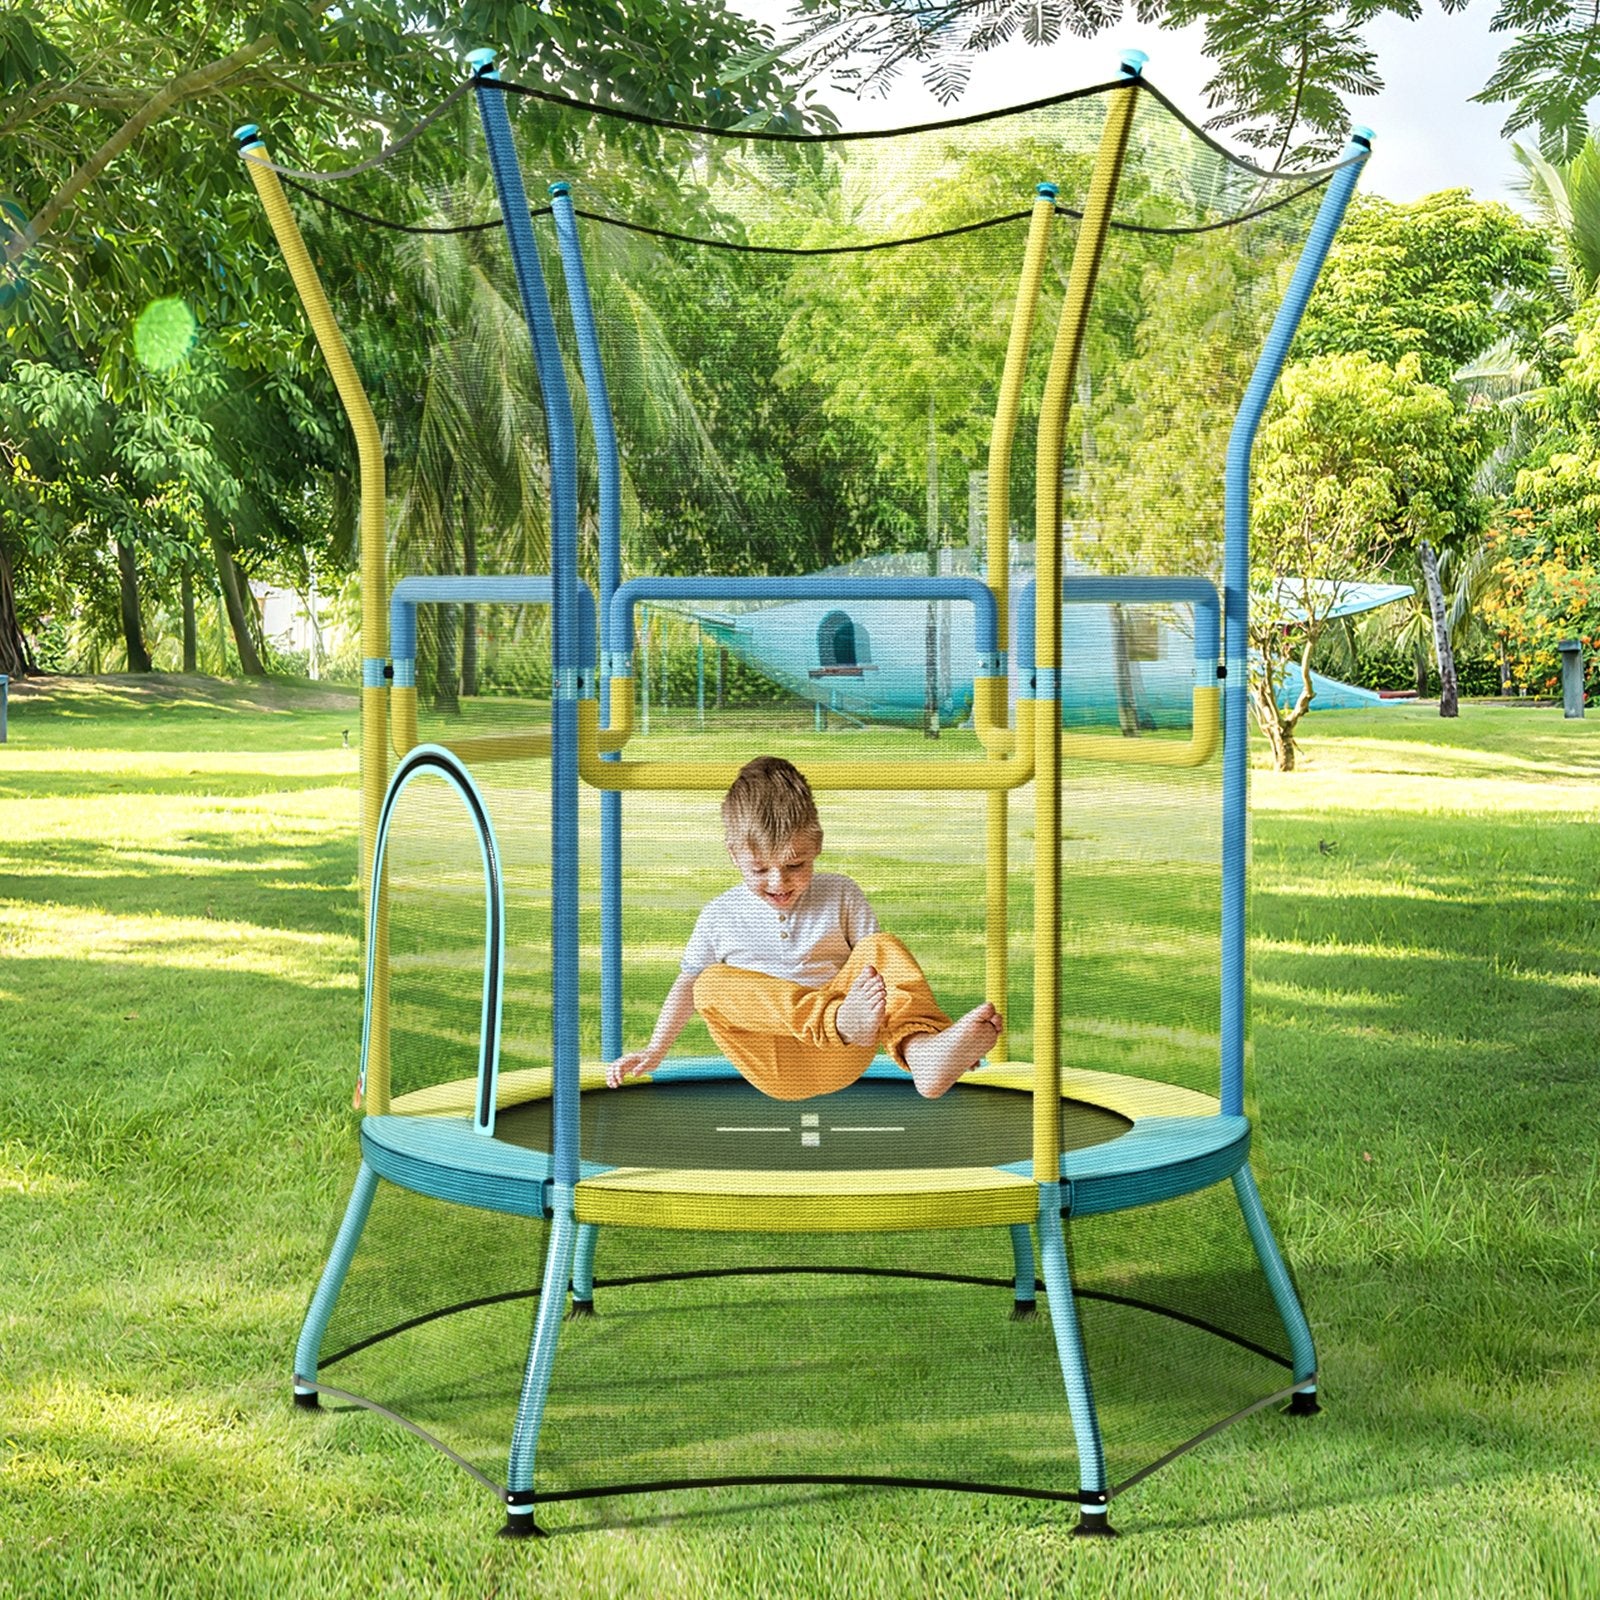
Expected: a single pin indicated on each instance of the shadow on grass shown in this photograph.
(46, 696)
(206, 785)
(304, 885)
(1441, 972)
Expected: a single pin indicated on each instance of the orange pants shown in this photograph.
(785, 1039)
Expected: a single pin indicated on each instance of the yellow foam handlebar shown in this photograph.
(1194, 751)
(712, 776)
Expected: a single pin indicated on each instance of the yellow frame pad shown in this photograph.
(874, 1200)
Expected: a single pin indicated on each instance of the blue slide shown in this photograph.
(872, 660)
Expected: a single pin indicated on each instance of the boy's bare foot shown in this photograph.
(861, 1012)
(938, 1059)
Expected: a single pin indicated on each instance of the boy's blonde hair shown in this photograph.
(768, 805)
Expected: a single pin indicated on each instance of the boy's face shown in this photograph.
(780, 877)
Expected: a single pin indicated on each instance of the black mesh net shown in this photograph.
(803, 340)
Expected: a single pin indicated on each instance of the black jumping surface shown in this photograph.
(877, 1123)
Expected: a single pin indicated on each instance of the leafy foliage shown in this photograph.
(1548, 591)
(1445, 277)
(1155, 420)
(1284, 74)
(155, 470)
(1549, 72)
(1548, 549)
(145, 91)
(1360, 458)
(1566, 199)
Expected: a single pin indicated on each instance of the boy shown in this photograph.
(790, 972)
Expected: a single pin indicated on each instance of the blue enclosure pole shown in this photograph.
(568, 671)
(568, 665)
(608, 465)
(1236, 620)
(644, 666)
(1236, 730)
(308, 1348)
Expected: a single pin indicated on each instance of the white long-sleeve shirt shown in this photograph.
(807, 944)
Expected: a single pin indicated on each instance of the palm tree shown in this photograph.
(472, 474)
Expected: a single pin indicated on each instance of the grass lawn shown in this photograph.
(179, 1019)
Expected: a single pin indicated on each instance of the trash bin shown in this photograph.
(1571, 677)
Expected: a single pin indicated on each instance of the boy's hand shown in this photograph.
(632, 1065)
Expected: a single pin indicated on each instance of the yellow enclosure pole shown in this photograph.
(374, 597)
(994, 713)
(1053, 413)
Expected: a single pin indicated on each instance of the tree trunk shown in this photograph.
(15, 661)
(1283, 746)
(1448, 704)
(469, 613)
(132, 631)
(232, 598)
(1269, 718)
(446, 665)
(191, 641)
(1122, 676)
(1265, 682)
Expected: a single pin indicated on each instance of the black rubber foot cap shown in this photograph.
(1094, 1528)
(306, 1400)
(1302, 1405)
(521, 1528)
(580, 1308)
(1024, 1310)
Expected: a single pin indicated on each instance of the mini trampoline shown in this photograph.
(1133, 1183)
(697, 1146)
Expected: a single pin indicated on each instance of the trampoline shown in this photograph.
(697, 1146)
(1115, 1188)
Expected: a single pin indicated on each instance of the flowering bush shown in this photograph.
(1548, 591)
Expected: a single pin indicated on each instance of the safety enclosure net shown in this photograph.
(1008, 352)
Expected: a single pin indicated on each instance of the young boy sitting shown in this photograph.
(790, 972)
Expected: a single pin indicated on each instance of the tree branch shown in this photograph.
(185, 86)
(1294, 109)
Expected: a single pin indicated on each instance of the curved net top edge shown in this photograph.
(1304, 176)
(975, 119)
(742, 247)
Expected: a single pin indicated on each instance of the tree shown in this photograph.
(1358, 458)
(146, 90)
(1445, 278)
(116, 71)
(1548, 547)
(1548, 591)
(98, 494)
(1283, 77)
(470, 473)
(1566, 199)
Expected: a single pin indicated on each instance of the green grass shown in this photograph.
(179, 1018)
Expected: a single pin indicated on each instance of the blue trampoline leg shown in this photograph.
(583, 1270)
(1095, 1497)
(308, 1350)
(1301, 1346)
(1026, 1303)
(536, 1378)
